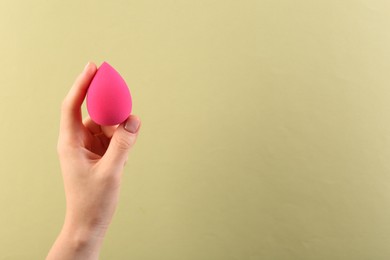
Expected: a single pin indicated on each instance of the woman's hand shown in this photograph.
(92, 164)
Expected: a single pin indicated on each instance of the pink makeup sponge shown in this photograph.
(108, 97)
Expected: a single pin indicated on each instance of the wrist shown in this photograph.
(82, 237)
(76, 242)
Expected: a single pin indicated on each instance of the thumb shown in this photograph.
(121, 142)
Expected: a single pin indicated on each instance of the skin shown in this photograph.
(92, 159)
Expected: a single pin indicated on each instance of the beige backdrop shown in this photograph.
(266, 126)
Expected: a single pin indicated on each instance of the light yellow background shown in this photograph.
(266, 126)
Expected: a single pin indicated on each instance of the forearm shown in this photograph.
(75, 242)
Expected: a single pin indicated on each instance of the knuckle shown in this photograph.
(122, 143)
(59, 148)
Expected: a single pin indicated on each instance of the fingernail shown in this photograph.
(132, 124)
(86, 66)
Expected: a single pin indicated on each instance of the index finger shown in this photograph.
(71, 119)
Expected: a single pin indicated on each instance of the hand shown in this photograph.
(92, 163)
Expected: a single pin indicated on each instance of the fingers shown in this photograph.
(122, 141)
(109, 130)
(95, 129)
(92, 127)
(71, 106)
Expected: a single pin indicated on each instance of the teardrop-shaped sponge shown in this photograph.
(108, 97)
